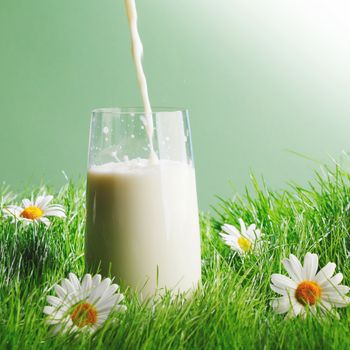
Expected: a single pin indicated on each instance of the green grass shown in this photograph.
(230, 311)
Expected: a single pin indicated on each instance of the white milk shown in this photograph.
(143, 225)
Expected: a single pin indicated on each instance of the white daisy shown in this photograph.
(82, 306)
(307, 289)
(35, 211)
(242, 241)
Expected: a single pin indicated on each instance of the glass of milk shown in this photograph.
(142, 213)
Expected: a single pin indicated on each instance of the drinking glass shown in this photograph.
(142, 213)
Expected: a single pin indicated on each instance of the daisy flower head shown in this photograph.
(35, 211)
(244, 240)
(82, 306)
(306, 289)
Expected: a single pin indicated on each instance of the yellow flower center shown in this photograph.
(32, 213)
(244, 243)
(84, 314)
(308, 292)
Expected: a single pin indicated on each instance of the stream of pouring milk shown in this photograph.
(137, 52)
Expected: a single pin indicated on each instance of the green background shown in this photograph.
(259, 78)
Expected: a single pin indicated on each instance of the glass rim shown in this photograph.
(136, 110)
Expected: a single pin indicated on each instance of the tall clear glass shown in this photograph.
(142, 214)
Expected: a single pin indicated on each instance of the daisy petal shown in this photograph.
(98, 292)
(283, 282)
(296, 308)
(281, 305)
(48, 310)
(325, 273)
(45, 221)
(243, 227)
(108, 306)
(257, 234)
(74, 280)
(325, 305)
(86, 284)
(278, 290)
(251, 235)
(120, 308)
(294, 268)
(310, 265)
(338, 301)
(231, 230)
(336, 279)
(55, 212)
(96, 280)
(62, 293)
(26, 203)
(68, 286)
(54, 301)
(337, 290)
(43, 201)
(111, 290)
(13, 210)
(112, 300)
(231, 241)
(251, 227)
(227, 238)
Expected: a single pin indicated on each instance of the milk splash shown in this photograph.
(137, 52)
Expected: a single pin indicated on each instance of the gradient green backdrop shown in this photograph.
(259, 78)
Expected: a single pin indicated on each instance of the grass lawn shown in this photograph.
(232, 309)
